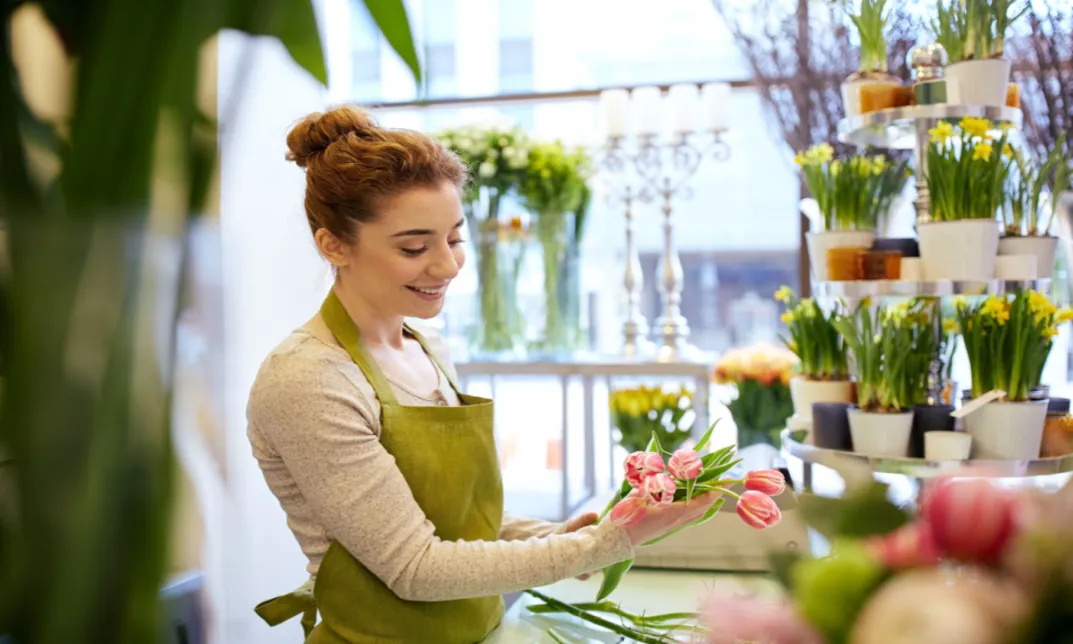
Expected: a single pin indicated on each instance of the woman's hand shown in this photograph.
(658, 521)
(577, 523)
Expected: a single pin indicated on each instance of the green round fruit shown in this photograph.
(829, 592)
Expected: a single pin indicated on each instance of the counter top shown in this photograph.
(649, 591)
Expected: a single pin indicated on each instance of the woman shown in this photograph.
(388, 474)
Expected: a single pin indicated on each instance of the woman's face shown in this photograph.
(403, 261)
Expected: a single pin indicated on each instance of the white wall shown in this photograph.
(273, 282)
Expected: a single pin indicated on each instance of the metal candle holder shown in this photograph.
(664, 170)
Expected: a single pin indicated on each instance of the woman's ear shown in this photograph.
(331, 248)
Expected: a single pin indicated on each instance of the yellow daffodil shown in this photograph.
(1007, 151)
(821, 153)
(809, 308)
(941, 132)
(784, 294)
(836, 167)
(866, 301)
(950, 326)
(975, 126)
(879, 164)
(1050, 332)
(1064, 315)
(998, 309)
(799, 159)
(787, 318)
(981, 152)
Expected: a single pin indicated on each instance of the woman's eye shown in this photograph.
(455, 242)
(413, 252)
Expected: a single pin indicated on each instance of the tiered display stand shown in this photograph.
(906, 128)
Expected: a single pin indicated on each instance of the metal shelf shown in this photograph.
(899, 128)
(857, 290)
(923, 468)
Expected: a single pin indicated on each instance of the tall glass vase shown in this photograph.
(499, 253)
(555, 233)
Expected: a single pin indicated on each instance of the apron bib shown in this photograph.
(447, 456)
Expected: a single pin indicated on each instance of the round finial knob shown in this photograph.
(927, 61)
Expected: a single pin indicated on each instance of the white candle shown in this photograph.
(715, 98)
(683, 102)
(647, 110)
(615, 108)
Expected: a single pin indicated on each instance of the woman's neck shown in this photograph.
(376, 328)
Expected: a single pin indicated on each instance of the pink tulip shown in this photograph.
(685, 465)
(658, 490)
(640, 465)
(912, 545)
(770, 482)
(758, 510)
(629, 511)
(733, 618)
(971, 519)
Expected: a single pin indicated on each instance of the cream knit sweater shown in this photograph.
(314, 427)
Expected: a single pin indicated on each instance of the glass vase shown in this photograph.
(498, 331)
(560, 255)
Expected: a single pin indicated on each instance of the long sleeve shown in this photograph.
(320, 425)
(521, 528)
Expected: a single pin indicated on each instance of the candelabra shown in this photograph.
(664, 169)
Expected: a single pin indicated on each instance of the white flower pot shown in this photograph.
(958, 250)
(1007, 430)
(820, 243)
(1042, 247)
(804, 393)
(978, 82)
(876, 434)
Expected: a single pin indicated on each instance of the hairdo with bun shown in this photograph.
(352, 164)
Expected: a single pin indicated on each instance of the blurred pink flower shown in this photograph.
(640, 465)
(658, 490)
(770, 482)
(732, 619)
(629, 511)
(758, 510)
(971, 519)
(685, 464)
(910, 546)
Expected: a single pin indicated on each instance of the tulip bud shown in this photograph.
(685, 464)
(628, 511)
(758, 510)
(910, 546)
(658, 490)
(770, 482)
(641, 465)
(971, 519)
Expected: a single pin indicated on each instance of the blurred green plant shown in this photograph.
(90, 202)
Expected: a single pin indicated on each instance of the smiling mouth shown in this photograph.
(430, 292)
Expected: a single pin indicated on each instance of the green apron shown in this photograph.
(447, 456)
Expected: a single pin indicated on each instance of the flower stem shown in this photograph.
(644, 638)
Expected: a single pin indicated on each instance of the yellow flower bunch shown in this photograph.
(965, 177)
(1008, 340)
(763, 363)
(640, 412)
(812, 337)
(851, 193)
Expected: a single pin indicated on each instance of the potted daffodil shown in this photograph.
(869, 17)
(973, 32)
(1031, 206)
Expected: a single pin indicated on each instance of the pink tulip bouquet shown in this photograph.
(656, 479)
(979, 563)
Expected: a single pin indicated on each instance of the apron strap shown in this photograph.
(348, 335)
(435, 358)
(299, 601)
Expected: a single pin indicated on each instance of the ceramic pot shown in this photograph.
(928, 418)
(830, 426)
(820, 243)
(804, 393)
(1007, 430)
(959, 250)
(1042, 247)
(876, 434)
(978, 82)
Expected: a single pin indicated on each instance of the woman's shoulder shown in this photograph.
(304, 366)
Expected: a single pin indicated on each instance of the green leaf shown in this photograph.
(707, 437)
(390, 16)
(782, 564)
(293, 22)
(613, 575)
(863, 512)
